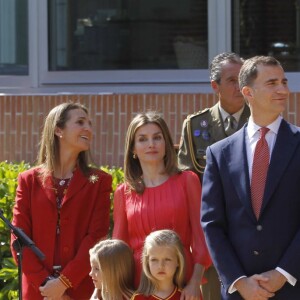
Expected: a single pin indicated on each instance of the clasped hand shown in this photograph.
(260, 286)
(54, 290)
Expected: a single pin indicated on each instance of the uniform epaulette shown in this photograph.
(200, 112)
(197, 166)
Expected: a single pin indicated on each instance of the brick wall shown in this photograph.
(21, 120)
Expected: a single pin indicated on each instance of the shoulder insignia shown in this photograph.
(198, 113)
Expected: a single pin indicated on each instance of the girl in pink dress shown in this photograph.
(163, 273)
(157, 195)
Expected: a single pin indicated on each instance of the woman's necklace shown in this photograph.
(61, 190)
(62, 182)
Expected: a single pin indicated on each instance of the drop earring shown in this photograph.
(134, 156)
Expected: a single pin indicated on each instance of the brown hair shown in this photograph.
(48, 156)
(248, 72)
(132, 167)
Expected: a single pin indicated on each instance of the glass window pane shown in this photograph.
(13, 37)
(269, 27)
(127, 34)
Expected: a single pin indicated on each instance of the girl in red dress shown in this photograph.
(112, 270)
(163, 262)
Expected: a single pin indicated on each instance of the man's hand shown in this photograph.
(276, 281)
(250, 288)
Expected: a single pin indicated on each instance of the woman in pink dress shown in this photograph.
(157, 195)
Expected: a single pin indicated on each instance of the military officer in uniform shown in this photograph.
(210, 125)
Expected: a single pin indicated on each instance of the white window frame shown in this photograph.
(107, 77)
(122, 81)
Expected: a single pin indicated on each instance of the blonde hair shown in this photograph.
(167, 238)
(132, 167)
(115, 259)
(48, 156)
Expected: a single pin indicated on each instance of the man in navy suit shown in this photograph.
(257, 255)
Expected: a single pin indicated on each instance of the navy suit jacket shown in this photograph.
(239, 243)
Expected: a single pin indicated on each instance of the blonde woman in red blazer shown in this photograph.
(63, 206)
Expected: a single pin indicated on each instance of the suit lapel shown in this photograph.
(236, 156)
(286, 144)
(77, 182)
(218, 122)
(235, 152)
(47, 187)
(217, 127)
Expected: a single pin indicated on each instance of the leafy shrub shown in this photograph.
(8, 271)
(8, 184)
(117, 177)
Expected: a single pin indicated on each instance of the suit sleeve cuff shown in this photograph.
(290, 279)
(232, 288)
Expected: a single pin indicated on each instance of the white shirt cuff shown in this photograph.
(291, 280)
(232, 288)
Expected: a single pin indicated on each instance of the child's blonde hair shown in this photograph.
(115, 259)
(167, 238)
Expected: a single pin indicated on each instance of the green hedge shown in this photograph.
(8, 183)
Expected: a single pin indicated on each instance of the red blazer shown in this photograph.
(84, 221)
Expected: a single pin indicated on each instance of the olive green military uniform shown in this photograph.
(199, 131)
